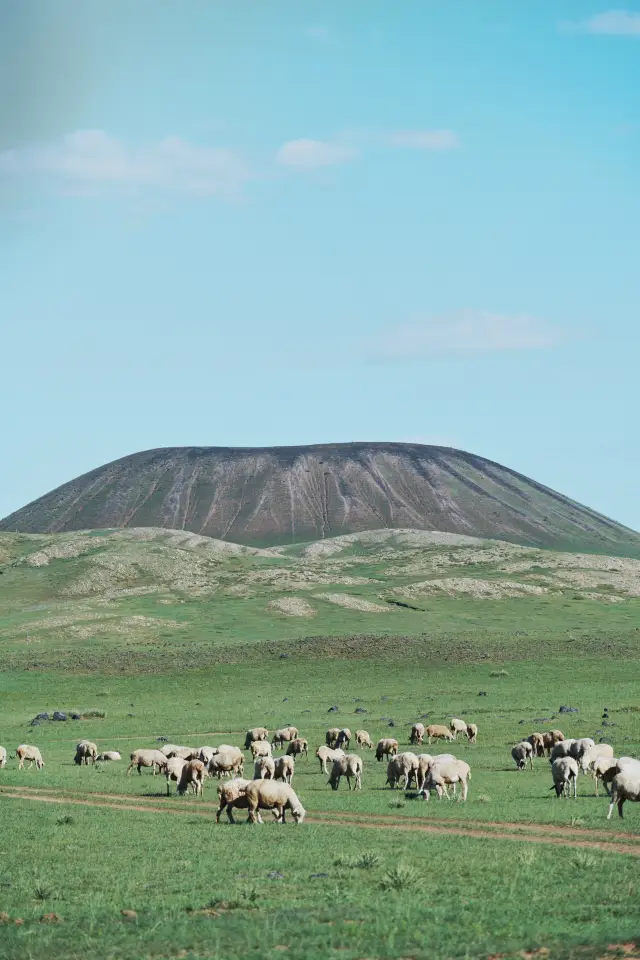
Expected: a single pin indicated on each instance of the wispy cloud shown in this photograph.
(620, 23)
(89, 160)
(464, 332)
(349, 146)
(315, 153)
(423, 139)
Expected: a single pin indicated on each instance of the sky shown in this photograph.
(271, 222)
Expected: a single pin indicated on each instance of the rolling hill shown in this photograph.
(278, 495)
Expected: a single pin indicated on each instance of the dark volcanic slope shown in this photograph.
(281, 494)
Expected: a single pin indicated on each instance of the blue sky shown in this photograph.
(288, 221)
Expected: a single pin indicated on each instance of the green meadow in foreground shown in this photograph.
(370, 874)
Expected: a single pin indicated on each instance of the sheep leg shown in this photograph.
(620, 805)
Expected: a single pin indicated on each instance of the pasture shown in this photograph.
(369, 874)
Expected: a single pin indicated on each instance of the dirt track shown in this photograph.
(551, 834)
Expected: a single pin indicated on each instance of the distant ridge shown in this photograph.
(276, 495)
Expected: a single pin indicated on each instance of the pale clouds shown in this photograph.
(620, 23)
(90, 160)
(315, 153)
(468, 331)
(307, 153)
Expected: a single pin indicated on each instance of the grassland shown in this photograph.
(369, 874)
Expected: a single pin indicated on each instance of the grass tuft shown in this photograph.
(401, 878)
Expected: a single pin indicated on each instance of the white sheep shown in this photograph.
(560, 750)
(579, 747)
(472, 732)
(232, 794)
(625, 786)
(264, 768)
(363, 739)
(297, 747)
(3, 757)
(590, 755)
(109, 755)
(563, 771)
(260, 748)
(146, 758)
(279, 797)
(401, 768)
(284, 735)
(522, 752)
(192, 777)
(444, 774)
(229, 760)
(284, 769)
(344, 738)
(85, 751)
(331, 736)
(417, 733)
(257, 733)
(349, 766)
(387, 747)
(604, 769)
(324, 753)
(457, 726)
(173, 770)
(26, 752)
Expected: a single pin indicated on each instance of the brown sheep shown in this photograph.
(363, 739)
(387, 747)
(417, 733)
(285, 735)
(279, 797)
(538, 744)
(472, 732)
(437, 731)
(298, 746)
(256, 733)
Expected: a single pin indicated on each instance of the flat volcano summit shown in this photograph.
(279, 495)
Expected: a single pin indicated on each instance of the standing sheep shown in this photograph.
(401, 768)
(331, 736)
(563, 771)
(229, 760)
(85, 752)
(26, 752)
(537, 742)
(560, 750)
(625, 786)
(417, 734)
(363, 739)
(387, 747)
(284, 769)
(146, 758)
(297, 747)
(437, 731)
(605, 769)
(264, 768)
(3, 757)
(256, 733)
(472, 732)
(457, 726)
(441, 775)
(579, 747)
(279, 797)
(173, 770)
(233, 795)
(324, 753)
(260, 748)
(590, 755)
(192, 776)
(344, 738)
(283, 736)
(348, 766)
(522, 752)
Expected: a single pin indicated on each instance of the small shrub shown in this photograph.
(366, 861)
(93, 715)
(65, 821)
(584, 860)
(42, 893)
(397, 804)
(402, 877)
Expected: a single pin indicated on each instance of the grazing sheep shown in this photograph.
(3, 757)
(560, 750)
(457, 726)
(279, 797)
(298, 746)
(417, 733)
(401, 768)
(344, 738)
(579, 747)
(173, 770)
(325, 753)
(26, 752)
(284, 769)
(387, 747)
(437, 731)
(563, 771)
(436, 761)
(472, 732)
(537, 742)
(284, 735)
(331, 736)
(193, 775)
(227, 761)
(348, 766)
(206, 753)
(85, 751)
(168, 749)
(185, 753)
(109, 755)
(260, 748)
(363, 739)
(558, 735)
(446, 773)
(264, 768)
(424, 762)
(146, 758)
(590, 755)
(605, 769)
(257, 733)
(233, 794)
(625, 786)
(522, 752)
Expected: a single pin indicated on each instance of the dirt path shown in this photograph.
(553, 835)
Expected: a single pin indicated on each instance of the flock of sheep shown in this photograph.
(570, 756)
(271, 786)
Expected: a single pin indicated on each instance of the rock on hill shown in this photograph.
(281, 495)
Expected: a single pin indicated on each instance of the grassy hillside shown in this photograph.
(146, 599)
